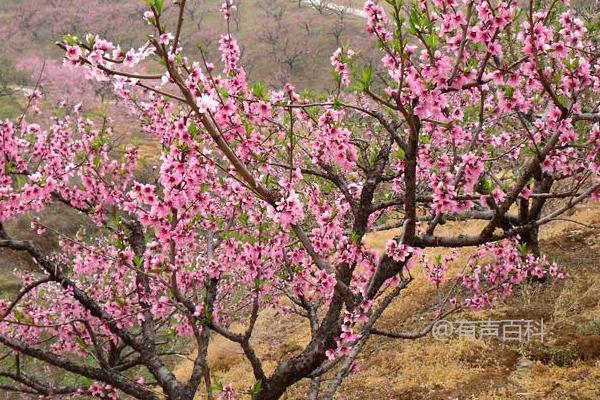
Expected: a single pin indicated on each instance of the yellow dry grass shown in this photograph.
(458, 368)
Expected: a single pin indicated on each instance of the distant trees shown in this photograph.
(338, 28)
(319, 5)
(67, 86)
(28, 19)
(281, 36)
(31, 27)
(262, 199)
(10, 78)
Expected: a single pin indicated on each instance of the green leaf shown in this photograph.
(97, 162)
(19, 316)
(432, 41)
(100, 141)
(71, 40)
(20, 181)
(414, 20)
(258, 283)
(489, 185)
(80, 157)
(256, 389)
(179, 59)
(193, 129)
(508, 91)
(400, 154)
(91, 39)
(522, 248)
(114, 223)
(530, 150)
(224, 93)
(259, 90)
(183, 147)
(365, 78)
(119, 244)
(194, 221)
(138, 261)
(217, 386)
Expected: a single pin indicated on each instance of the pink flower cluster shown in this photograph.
(378, 21)
(339, 60)
(289, 210)
(497, 268)
(348, 336)
(332, 141)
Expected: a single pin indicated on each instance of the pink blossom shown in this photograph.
(165, 38)
(73, 53)
(290, 210)
(339, 61)
(398, 251)
(206, 103)
(498, 195)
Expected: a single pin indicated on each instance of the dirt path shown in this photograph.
(327, 5)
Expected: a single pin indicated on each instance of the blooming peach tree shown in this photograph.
(261, 199)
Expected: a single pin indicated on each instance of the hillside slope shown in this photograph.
(566, 365)
(281, 40)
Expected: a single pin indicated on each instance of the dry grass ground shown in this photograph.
(565, 366)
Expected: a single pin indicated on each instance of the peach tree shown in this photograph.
(260, 200)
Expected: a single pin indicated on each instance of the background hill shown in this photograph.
(281, 40)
